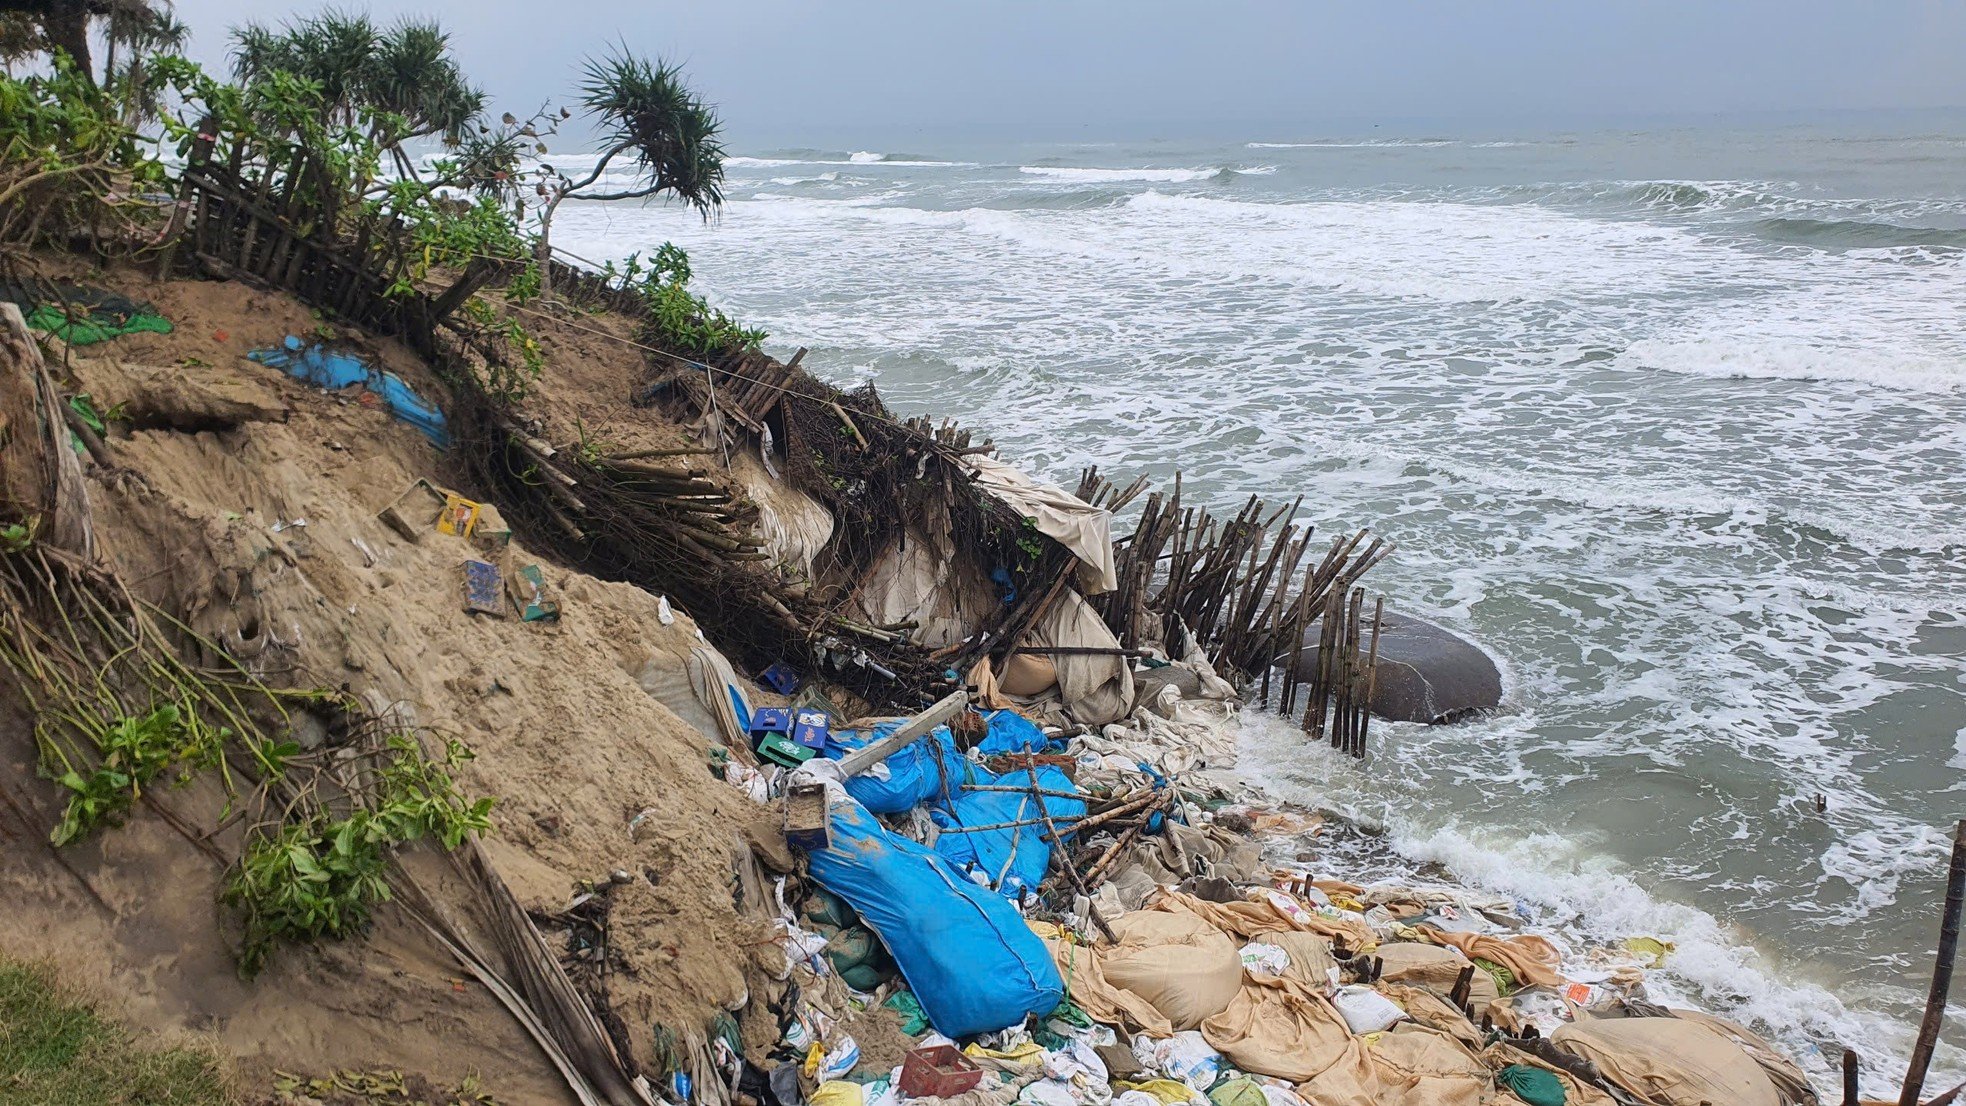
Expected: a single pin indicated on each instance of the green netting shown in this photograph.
(96, 326)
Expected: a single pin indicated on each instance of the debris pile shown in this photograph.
(1071, 915)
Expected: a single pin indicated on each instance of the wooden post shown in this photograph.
(201, 152)
(1849, 1078)
(862, 759)
(1935, 1000)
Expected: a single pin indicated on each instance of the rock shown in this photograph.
(1426, 674)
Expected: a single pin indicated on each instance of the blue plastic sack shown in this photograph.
(329, 369)
(972, 962)
(1019, 854)
(916, 773)
(1011, 732)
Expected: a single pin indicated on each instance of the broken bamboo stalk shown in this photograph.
(1935, 1000)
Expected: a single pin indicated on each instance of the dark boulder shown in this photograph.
(1426, 674)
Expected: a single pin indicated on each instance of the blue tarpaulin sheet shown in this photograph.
(338, 370)
(1011, 732)
(1014, 858)
(918, 773)
(973, 964)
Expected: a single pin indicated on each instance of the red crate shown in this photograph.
(941, 1070)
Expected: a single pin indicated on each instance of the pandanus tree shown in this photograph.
(654, 132)
(398, 82)
(32, 26)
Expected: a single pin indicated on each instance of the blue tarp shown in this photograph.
(338, 370)
(916, 774)
(1011, 732)
(1020, 853)
(972, 962)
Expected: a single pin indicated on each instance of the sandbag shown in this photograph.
(1425, 1067)
(1500, 1057)
(1311, 962)
(972, 962)
(1027, 674)
(916, 773)
(1013, 858)
(1669, 1061)
(1435, 967)
(1280, 1028)
(1183, 967)
(1173, 959)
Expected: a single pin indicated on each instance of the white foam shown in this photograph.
(1580, 898)
(1772, 358)
(1386, 143)
(1073, 173)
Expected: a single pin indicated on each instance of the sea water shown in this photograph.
(1670, 420)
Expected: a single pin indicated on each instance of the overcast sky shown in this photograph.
(792, 71)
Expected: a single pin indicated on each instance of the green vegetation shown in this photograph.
(320, 869)
(55, 1048)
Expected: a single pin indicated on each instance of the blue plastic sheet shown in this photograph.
(1014, 858)
(972, 962)
(918, 773)
(338, 370)
(1011, 732)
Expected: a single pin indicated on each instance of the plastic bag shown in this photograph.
(1047, 1092)
(837, 1093)
(1366, 1010)
(1263, 959)
(1187, 1057)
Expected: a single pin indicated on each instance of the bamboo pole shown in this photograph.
(1935, 1000)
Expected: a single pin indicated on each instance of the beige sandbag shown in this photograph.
(1186, 968)
(1027, 674)
(1575, 1091)
(1310, 956)
(1784, 1073)
(1280, 1028)
(1418, 1066)
(1669, 1062)
(1435, 967)
(1265, 911)
(1168, 972)
(1533, 959)
(1432, 1011)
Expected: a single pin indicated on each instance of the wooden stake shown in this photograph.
(1935, 1000)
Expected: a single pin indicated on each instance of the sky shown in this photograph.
(805, 72)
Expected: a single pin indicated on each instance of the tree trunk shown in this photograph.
(542, 251)
(67, 26)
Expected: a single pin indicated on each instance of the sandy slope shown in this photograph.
(566, 730)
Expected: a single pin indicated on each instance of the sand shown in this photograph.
(560, 716)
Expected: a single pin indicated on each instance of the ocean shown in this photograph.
(1671, 420)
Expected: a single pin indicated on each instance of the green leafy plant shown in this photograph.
(135, 751)
(319, 873)
(18, 537)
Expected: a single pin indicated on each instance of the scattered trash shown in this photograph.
(332, 370)
(664, 613)
(484, 589)
(782, 678)
(415, 511)
(805, 816)
(459, 516)
(939, 1070)
(528, 590)
(1366, 1010)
